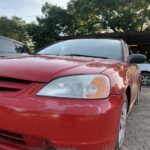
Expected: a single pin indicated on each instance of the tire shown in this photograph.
(122, 124)
(145, 78)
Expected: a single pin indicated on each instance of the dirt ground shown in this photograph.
(138, 124)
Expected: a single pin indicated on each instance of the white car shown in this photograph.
(145, 72)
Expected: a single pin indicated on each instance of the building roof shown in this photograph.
(132, 38)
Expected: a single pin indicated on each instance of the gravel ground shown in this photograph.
(138, 124)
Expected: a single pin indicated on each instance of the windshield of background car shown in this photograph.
(89, 47)
(7, 46)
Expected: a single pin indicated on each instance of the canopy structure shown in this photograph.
(139, 41)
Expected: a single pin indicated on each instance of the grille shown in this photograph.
(11, 137)
(12, 85)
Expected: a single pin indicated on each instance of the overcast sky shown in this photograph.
(26, 9)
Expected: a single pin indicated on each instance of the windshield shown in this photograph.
(102, 48)
(7, 46)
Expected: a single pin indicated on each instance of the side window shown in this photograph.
(20, 48)
(7, 46)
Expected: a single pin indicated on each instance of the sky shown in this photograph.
(26, 9)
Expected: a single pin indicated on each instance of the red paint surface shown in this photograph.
(63, 123)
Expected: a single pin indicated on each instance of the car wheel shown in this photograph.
(145, 78)
(122, 125)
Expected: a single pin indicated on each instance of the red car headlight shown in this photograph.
(78, 86)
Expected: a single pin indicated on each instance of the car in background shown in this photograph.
(145, 73)
(72, 95)
(10, 47)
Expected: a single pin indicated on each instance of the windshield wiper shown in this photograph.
(80, 55)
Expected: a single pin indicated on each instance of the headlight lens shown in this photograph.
(79, 86)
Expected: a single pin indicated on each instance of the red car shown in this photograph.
(72, 95)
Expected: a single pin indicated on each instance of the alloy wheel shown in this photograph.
(145, 79)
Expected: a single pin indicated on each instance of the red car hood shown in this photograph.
(44, 68)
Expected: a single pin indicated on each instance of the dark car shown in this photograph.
(10, 47)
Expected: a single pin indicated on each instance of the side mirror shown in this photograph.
(136, 59)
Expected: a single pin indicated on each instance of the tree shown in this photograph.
(86, 20)
(14, 28)
(110, 15)
(89, 17)
(55, 21)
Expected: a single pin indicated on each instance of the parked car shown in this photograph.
(145, 72)
(10, 47)
(73, 95)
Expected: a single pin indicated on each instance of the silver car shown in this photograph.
(145, 72)
(10, 47)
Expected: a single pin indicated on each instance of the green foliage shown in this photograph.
(80, 17)
(87, 21)
(110, 15)
(54, 22)
(14, 28)
(90, 17)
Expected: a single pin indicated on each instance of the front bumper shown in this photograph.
(62, 123)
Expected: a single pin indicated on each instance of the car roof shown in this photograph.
(11, 40)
